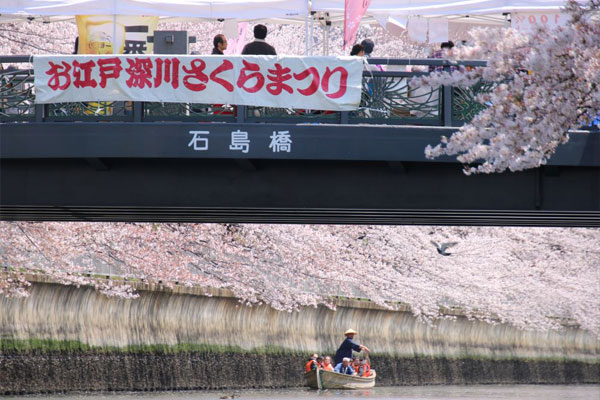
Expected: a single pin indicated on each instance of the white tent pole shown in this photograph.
(312, 29)
(327, 33)
(306, 34)
(327, 29)
(323, 49)
(114, 38)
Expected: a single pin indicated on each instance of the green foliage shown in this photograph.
(51, 345)
(481, 357)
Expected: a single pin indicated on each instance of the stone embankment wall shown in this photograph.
(65, 371)
(64, 338)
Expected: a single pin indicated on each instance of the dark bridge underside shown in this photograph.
(334, 174)
(294, 191)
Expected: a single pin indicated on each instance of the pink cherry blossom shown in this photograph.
(532, 278)
(36, 37)
(547, 83)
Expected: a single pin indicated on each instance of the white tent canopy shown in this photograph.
(444, 8)
(483, 12)
(381, 12)
(211, 9)
(264, 9)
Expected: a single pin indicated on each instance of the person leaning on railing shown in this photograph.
(7, 86)
(443, 53)
(368, 47)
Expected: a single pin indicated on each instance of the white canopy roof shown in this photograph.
(246, 9)
(281, 11)
(444, 7)
(254, 9)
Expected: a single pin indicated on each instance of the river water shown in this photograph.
(475, 392)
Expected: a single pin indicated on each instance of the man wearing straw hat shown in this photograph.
(347, 346)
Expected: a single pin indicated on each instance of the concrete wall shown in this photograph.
(198, 334)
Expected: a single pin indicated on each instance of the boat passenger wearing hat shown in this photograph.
(347, 346)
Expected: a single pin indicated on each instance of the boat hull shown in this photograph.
(333, 380)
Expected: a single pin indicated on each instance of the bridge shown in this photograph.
(178, 162)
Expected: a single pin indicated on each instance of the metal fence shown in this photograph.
(388, 97)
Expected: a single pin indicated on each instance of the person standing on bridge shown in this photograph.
(345, 350)
(220, 44)
(259, 46)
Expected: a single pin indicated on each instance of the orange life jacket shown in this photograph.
(327, 367)
(366, 370)
(309, 365)
(356, 368)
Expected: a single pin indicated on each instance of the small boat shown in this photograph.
(320, 379)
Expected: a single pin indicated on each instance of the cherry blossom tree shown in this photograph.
(546, 83)
(36, 37)
(532, 278)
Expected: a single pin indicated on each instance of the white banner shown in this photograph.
(316, 83)
(525, 21)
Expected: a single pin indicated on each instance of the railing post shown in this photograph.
(241, 114)
(447, 101)
(40, 112)
(447, 105)
(138, 111)
(344, 117)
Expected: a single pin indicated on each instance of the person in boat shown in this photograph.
(364, 369)
(320, 362)
(345, 367)
(347, 346)
(312, 363)
(327, 364)
(356, 365)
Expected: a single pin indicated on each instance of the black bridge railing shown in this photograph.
(388, 97)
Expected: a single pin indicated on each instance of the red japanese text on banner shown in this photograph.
(317, 83)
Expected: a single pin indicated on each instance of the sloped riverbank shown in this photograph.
(64, 338)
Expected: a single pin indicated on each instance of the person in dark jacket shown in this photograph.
(347, 346)
(220, 44)
(259, 46)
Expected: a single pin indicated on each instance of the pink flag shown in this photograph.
(236, 45)
(353, 13)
